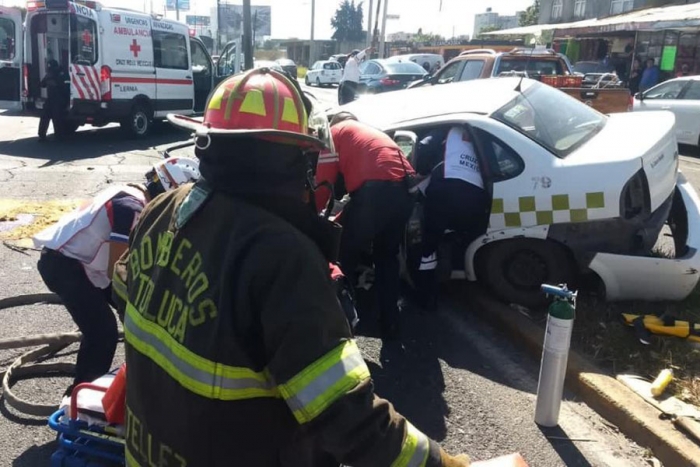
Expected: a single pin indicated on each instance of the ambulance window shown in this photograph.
(7, 39)
(83, 40)
(200, 60)
(170, 50)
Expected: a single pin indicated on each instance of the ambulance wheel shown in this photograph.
(138, 123)
(515, 269)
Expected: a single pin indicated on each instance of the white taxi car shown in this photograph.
(573, 191)
(324, 72)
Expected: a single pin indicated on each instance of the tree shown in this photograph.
(531, 15)
(489, 28)
(347, 22)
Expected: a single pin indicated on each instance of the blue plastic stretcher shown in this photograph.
(85, 444)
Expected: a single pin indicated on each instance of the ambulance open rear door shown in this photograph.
(11, 48)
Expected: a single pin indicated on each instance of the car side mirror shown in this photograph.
(406, 141)
(639, 96)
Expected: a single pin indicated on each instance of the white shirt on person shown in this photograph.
(85, 233)
(352, 68)
(461, 161)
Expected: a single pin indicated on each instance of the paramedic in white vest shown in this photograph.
(347, 89)
(455, 200)
(78, 255)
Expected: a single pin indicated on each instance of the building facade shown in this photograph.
(490, 19)
(566, 11)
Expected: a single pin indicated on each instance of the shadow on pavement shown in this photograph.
(89, 144)
(19, 419)
(564, 446)
(35, 455)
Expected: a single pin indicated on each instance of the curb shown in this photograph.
(604, 394)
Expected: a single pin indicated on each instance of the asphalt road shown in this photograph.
(459, 380)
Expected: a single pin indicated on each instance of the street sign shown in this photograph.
(184, 5)
(393, 16)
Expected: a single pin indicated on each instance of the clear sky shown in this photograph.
(292, 18)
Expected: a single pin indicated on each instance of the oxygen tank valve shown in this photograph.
(555, 354)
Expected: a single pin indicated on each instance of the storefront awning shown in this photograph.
(650, 19)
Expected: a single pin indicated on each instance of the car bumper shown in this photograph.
(653, 278)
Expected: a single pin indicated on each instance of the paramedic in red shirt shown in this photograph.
(377, 176)
(78, 255)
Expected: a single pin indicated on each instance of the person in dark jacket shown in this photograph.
(236, 346)
(650, 76)
(635, 76)
(57, 85)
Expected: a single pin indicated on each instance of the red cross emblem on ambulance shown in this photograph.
(135, 48)
(87, 37)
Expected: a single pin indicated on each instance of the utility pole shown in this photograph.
(177, 10)
(312, 44)
(218, 26)
(375, 32)
(369, 24)
(247, 36)
(381, 40)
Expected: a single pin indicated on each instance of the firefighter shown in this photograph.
(57, 85)
(378, 178)
(78, 254)
(455, 200)
(236, 345)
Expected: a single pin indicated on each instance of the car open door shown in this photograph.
(11, 48)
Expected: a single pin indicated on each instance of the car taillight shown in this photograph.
(25, 81)
(635, 198)
(106, 83)
(386, 81)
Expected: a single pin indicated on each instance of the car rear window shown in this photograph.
(406, 68)
(551, 118)
(533, 66)
(331, 66)
(286, 62)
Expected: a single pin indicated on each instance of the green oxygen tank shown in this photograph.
(555, 354)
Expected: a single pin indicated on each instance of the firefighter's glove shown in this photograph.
(461, 460)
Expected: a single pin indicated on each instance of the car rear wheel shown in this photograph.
(306, 81)
(515, 269)
(138, 123)
(318, 82)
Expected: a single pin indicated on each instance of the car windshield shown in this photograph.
(533, 66)
(552, 119)
(405, 68)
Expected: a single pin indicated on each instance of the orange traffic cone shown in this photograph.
(114, 401)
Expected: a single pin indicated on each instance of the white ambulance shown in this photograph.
(125, 66)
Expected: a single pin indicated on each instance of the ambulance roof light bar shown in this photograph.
(33, 5)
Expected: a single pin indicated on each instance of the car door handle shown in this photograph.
(80, 74)
(188, 77)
